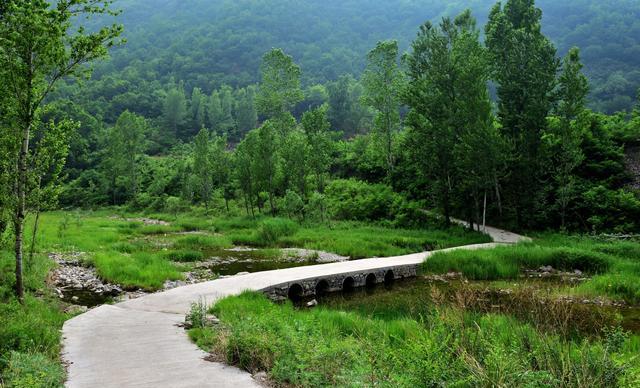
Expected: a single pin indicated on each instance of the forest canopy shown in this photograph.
(207, 44)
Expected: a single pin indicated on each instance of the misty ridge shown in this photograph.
(209, 43)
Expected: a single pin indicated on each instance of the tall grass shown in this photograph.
(196, 241)
(614, 266)
(446, 347)
(141, 269)
(507, 262)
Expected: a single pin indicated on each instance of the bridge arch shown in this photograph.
(322, 287)
(348, 284)
(295, 292)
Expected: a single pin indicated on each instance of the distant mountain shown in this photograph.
(207, 43)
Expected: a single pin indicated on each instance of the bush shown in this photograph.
(350, 199)
(411, 214)
(272, 229)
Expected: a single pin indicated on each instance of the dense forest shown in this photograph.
(208, 44)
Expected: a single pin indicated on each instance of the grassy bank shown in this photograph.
(445, 346)
(29, 333)
(613, 266)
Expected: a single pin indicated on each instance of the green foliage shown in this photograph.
(356, 200)
(33, 370)
(522, 58)
(279, 88)
(448, 100)
(197, 314)
(383, 83)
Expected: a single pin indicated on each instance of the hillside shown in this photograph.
(209, 43)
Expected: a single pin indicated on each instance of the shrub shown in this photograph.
(350, 199)
(272, 229)
(411, 214)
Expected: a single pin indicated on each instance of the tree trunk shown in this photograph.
(484, 212)
(495, 181)
(19, 216)
(33, 239)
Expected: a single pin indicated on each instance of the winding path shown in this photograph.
(137, 343)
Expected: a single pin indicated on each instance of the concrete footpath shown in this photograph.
(137, 343)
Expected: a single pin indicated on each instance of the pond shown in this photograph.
(227, 262)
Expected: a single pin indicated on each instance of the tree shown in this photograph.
(524, 68)
(38, 48)
(383, 84)
(244, 160)
(265, 159)
(316, 127)
(294, 152)
(246, 115)
(128, 143)
(279, 90)
(221, 110)
(175, 110)
(448, 101)
(563, 138)
(198, 110)
(202, 165)
(220, 164)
